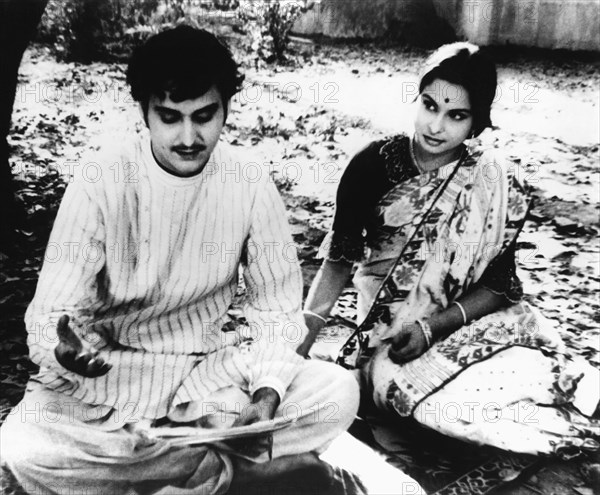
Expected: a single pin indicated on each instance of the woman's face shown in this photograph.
(444, 119)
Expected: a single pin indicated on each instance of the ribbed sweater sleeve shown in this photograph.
(274, 292)
(67, 285)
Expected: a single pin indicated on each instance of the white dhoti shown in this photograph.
(55, 444)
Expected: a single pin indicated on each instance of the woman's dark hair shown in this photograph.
(185, 62)
(464, 64)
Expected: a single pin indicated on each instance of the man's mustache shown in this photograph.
(188, 149)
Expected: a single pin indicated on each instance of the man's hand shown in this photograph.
(77, 355)
(265, 402)
(409, 343)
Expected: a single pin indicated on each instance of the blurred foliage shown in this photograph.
(268, 24)
(93, 30)
(107, 30)
(104, 30)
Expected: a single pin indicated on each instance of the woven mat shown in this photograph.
(440, 464)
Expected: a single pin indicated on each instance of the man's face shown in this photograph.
(185, 134)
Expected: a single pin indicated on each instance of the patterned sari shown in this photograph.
(505, 379)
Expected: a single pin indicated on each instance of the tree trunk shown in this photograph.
(18, 23)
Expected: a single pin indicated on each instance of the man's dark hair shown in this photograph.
(464, 64)
(184, 62)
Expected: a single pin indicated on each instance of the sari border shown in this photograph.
(460, 371)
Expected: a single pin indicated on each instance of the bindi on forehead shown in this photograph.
(449, 93)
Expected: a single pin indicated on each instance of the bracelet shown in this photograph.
(312, 313)
(462, 311)
(426, 329)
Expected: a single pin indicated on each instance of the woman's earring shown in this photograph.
(471, 142)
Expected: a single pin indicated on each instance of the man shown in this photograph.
(140, 270)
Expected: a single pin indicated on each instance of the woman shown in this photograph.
(444, 335)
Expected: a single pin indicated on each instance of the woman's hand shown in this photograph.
(314, 325)
(325, 290)
(409, 343)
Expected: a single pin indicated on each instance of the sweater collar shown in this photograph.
(155, 171)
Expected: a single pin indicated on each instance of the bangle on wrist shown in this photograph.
(312, 313)
(426, 329)
(462, 312)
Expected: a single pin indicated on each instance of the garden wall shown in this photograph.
(413, 21)
(570, 24)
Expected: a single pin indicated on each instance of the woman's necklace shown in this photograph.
(413, 155)
(418, 164)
